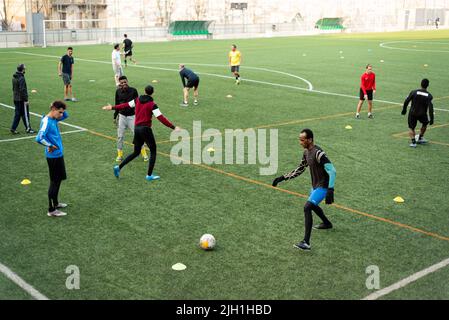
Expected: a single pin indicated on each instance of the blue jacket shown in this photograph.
(49, 135)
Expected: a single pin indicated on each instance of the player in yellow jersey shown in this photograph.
(235, 59)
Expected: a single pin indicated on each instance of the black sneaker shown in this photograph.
(30, 131)
(302, 245)
(14, 131)
(323, 226)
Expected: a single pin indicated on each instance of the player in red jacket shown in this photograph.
(145, 109)
(367, 89)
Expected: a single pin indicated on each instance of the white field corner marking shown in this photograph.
(406, 281)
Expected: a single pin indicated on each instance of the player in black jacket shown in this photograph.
(421, 105)
(20, 91)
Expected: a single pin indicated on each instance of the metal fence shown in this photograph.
(219, 31)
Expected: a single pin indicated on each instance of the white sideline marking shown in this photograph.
(34, 136)
(21, 283)
(40, 116)
(441, 109)
(406, 281)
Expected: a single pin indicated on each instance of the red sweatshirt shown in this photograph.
(368, 82)
(145, 108)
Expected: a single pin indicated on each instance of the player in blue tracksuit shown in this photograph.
(50, 137)
(323, 175)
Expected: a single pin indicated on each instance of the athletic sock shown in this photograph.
(308, 224)
(320, 213)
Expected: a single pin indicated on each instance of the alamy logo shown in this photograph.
(73, 280)
(373, 280)
(234, 146)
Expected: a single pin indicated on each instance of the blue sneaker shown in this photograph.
(116, 171)
(152, 177)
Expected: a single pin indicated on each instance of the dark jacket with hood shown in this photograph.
(19, 87)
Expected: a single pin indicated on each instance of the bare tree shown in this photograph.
(200, 9)
(164, 12)
(169, 8)
(160, 13)
(5, 21)
(43, 6)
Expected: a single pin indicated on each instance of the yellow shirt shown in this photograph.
(235, 57)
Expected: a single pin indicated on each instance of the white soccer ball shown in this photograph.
(207, 242)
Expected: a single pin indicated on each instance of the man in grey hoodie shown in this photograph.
(19, 88)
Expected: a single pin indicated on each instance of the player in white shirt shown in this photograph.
(117, 64)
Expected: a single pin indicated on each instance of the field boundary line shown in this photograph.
(21, 283)
(404, 282)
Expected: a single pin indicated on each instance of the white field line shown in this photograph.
(229, 77)
(386, 46)
(40, 116)
(21, 283)
(310, 87)
(406, 281)
(446, 110)
(34, 136)
(243, 67)
(220, 76)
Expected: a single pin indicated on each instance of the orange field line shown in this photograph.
(282, 124)
(297, 194)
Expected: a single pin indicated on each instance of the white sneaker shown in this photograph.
(357, 116)
(413, 145)
(61, 205)
(370, 116)
(420, 141)
(56, 213)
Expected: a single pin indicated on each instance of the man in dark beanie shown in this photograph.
(19, 88)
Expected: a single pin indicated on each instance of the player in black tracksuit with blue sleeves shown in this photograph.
(421, 103)
(323, 175)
